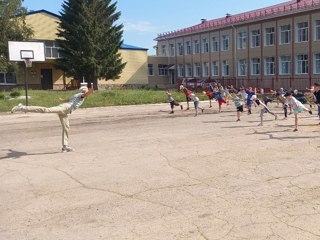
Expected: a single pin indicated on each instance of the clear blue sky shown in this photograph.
(144, 19)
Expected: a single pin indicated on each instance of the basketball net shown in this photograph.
(28, 62)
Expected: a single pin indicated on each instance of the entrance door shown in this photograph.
(46, 79)
(171, 77)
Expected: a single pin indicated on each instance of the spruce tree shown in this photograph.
(90, 40)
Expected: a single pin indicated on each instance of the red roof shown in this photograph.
(285, 7)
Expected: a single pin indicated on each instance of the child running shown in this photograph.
(172, 101)
(238, 104)
(297, 107)
(187, 92)
(264, 109)
(196, 102)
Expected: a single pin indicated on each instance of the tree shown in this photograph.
(90, 40)
(12, 28)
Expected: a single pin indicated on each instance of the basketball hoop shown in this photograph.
(28, 62)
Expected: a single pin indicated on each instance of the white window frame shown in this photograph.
(225, 43)
(242, 67)
(302, 33)
(285, 34)
(180, 70)
(317, 30)
(269, 66)
(205, 69)
(205, 45)
(269, 37)
(196, 69)
(162, 70)
(215, 68)
(196, 47)
(285, 64)
(163, 50)
(255, 66)
(52, 50)
(150, 69)
(215, 44)
(180, 49)
(188, 70)
(302, 64)
(225, 68)
(316, 63)
(242, 40)
(255, 38)
(171, 50)
(188, 48)
(4, 76)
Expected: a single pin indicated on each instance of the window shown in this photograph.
(215, 68)
(163, 69)
(180, 70)
(269, 66)
(285, 34)
(285, 65)
(215, 44)
(205, 45)
(242, 40)
(171, 50)
(196, 47)
(225, 43)
(317, 30)
(196, 69)
(316, 63)
(188, 70)
(188, 48)
(255, 38)
(150, 69)
(269, 36)
(302, 32)
(180, 49)
(163, 51)
(225, 68)
(205, 69)
(52, 49)
(7, 78)
(242, 67)
(302, 64)
(255, 66)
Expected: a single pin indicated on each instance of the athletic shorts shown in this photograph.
(188, 99)
(298, 110)
(196, 104)
(221, 101)
(240, 109)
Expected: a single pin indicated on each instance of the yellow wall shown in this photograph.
(45, 26)
(135, 71)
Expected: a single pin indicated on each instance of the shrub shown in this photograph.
(2, 96)
(15, 94)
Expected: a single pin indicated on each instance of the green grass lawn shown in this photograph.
(101, 98)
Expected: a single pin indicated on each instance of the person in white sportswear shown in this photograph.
(65, 108)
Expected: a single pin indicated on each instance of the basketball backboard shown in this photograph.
(20, 51)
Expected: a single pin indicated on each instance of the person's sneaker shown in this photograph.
(295, 130)
(238, 120)
(171, 112)
(310, 112)
(181, 107)
(260, 124)
(187, 109)
(202, 110)
(67, 149)
(17, 108)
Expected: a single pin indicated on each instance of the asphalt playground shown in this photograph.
(141, 173)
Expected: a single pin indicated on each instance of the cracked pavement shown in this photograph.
(140, 173)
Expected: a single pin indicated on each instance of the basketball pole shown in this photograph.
(26, 84)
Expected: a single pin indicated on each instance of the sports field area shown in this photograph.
(141, 173)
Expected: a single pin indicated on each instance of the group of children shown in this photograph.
(246, 97)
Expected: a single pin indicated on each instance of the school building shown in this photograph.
(44, 75)
(273, 47)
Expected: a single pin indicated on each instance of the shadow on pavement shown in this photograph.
(16, 154)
